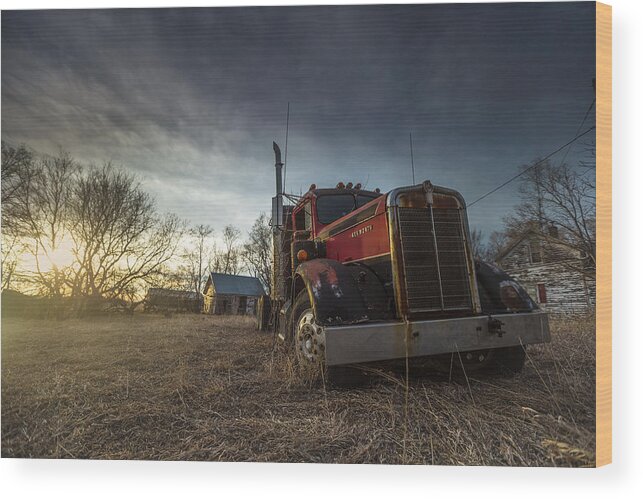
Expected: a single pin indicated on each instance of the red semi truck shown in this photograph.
(362, 276)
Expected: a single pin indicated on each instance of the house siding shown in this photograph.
(227, 304)
(230, 305)
(567, 291)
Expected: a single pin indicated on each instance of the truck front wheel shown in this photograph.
(309, 337)
(309, 342)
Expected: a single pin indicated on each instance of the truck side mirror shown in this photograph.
(277, 212)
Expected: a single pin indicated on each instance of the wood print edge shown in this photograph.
(603, 234)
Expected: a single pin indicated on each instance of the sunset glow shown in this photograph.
(56, 257)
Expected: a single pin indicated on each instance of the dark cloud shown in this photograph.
(191, 99)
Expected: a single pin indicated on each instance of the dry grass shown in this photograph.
(209, 388)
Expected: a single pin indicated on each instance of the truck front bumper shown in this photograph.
(370, 342)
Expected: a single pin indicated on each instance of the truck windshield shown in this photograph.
(334, 206)
(362, 199)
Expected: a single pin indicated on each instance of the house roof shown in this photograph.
(530, 231)
(515, 241)
(229, 284)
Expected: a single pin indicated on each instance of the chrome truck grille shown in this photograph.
(434, 258)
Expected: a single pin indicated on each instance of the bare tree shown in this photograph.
(10, 258)
(589, 160)
(257, 251)
(120, 241)
(561, 203)
(199, 256)
(230, 261)
(17, 171)
(477, 244)
(80, 232)
(495, 245)
(488, 251)
(36, 208)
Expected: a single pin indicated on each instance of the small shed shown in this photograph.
(231, 294)
(161, 299)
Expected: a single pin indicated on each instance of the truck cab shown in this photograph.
(321, 207)
(363, 276)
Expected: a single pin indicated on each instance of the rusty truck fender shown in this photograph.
(341, 294)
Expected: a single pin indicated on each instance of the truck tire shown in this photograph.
(308, 341)
(306, 336)
(509, 360)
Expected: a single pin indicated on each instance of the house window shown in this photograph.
(542, 293)
(535, 251)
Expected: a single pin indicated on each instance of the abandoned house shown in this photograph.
(231, 294)
(164, 300)
(557, 277)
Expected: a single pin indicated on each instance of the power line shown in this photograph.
(580, 127)
(534, 165)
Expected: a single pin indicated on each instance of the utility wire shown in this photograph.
(533, 166)
(580, 127)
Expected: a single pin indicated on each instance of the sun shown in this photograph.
(58, 256)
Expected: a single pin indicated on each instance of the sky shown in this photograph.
(190, 100)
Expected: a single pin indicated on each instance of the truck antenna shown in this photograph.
(286, 148)
(412, 164)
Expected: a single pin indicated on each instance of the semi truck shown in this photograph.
(362, 276)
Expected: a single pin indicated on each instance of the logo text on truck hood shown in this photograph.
(361, 231)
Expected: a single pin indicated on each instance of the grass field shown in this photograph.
(197, 387)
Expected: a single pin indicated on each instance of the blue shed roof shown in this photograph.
(229, 284)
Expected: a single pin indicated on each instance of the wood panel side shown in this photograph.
(603, 234)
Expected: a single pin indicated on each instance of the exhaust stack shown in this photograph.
(277, 201)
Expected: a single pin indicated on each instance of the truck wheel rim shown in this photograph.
(311, 341)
